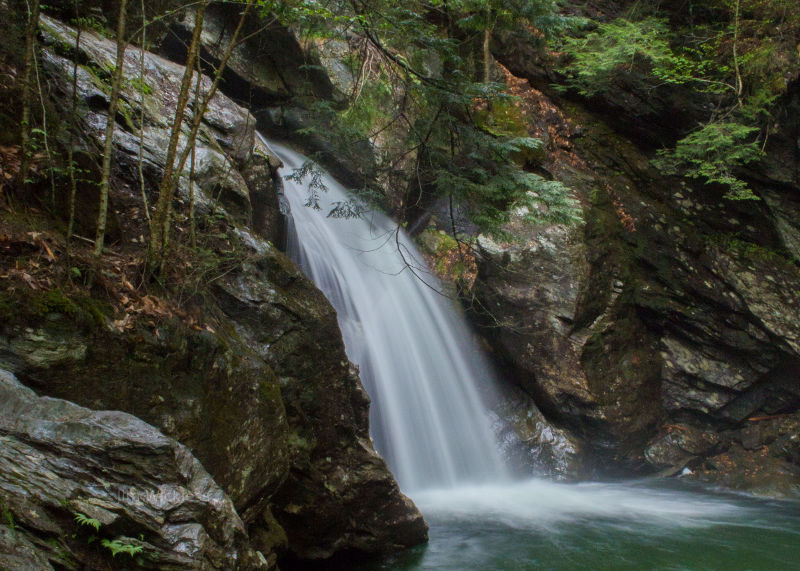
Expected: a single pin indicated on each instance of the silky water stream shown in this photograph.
(428, 420)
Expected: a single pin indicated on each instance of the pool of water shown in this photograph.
(634, 525)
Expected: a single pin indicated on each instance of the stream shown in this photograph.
(644, 525)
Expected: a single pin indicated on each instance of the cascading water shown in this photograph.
(414, 352)
(421, 370)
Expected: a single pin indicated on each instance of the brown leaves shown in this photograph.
(29, 259)
(10, 162)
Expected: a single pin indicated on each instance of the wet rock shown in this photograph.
(144, 489)
(270, 66)
(339, 493)
(18, 552)
(530, 443)
(225, 140)
(673, 450)
(669, 308)
(256, 383)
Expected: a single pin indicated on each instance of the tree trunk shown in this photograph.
(27, 88)
(140, 163)
(160, 223)
(73, 184)
(192, 223)
(159, 236)
(108, 144)
(487, 55)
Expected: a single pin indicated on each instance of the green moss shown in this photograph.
(503, 118)
(33, 307)
(100, 77)
(8, 517)
(754, 253)
(126, 112)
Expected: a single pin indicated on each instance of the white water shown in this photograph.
(414, 351)
(543, 505)
(421, 372)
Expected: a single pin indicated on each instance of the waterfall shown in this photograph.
(414, 351)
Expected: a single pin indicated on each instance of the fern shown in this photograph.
(120, 545)
(83, 519)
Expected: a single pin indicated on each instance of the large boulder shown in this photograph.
(336, 480)
(268, 66)
(130, 485)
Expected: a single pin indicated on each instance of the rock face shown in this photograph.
(339, 494)
(254, 381)
(662, 333)
(143, 489)
(269, 67)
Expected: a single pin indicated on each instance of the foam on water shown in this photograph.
(536, 504)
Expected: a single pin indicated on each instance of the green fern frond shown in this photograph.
(119, 545)
(83, 519)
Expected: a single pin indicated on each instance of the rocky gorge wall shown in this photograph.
(663, 333)
(659, 335)
(237, 367)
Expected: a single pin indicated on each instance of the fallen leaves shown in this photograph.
(10, 163)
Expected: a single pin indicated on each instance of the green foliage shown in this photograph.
(368, 106)
(116, 546)
(729, 60)
(751, 253)
(8, 517)
(507, 15)
(503, 118)
(32, 306)
(416, 103)
(480, 172)
(90, 23)
(712, 153)
(139, 85)
(85, 520)
(620, 46)
(121, 545)
(311, 171)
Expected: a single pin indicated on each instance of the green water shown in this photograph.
(632, 526)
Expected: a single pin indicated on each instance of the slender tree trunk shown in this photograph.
(45, 132)
(27, 87)
(108, 144)
(145, 205)
(73, 184)
(192, 223)
(487, 46)
(739, 84)
(160, 223)
(160, 234)
(487, 55)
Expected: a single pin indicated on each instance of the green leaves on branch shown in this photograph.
(315, 183)
(739, 86)
(83, 519)
(417, 104)
(487, 178)
(541, 16)
(711, 154)
(620, 46)
(116, 546)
